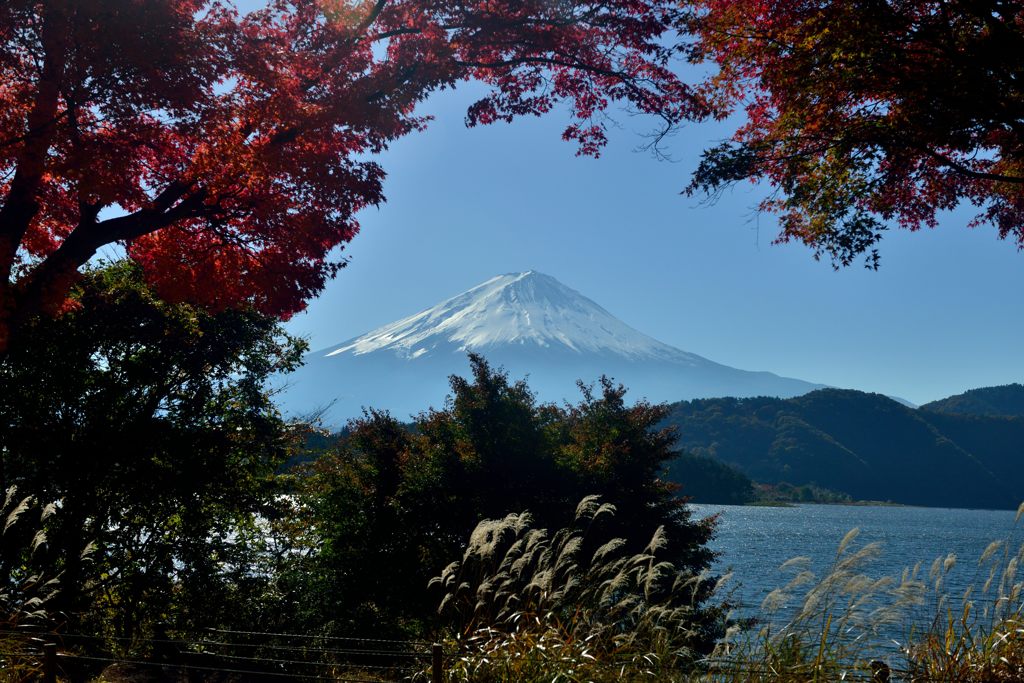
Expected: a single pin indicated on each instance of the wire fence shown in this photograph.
(256, 656)
(238, 655)
(873, 672)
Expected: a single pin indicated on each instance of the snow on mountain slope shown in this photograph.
(517, 308)
(531, 325)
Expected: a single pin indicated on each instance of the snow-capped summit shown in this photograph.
(528, 309)
(528, 323)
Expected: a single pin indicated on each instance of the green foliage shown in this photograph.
(150, 425)
(393, 504)
(866, 446)
(149, 422)
(360, 544)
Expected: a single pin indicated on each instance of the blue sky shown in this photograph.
(941, 316)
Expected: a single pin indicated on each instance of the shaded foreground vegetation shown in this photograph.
(159, 510)
(815, 628)
(149, 426)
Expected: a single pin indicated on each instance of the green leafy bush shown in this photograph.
(151, 424)
(390, 507)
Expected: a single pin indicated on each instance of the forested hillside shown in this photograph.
(865, 445)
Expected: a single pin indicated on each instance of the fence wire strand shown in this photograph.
(339, 659)
(306, 636)
(193, 667)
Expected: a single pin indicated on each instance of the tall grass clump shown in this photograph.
(819, 628)
(526, 604)
(838, 626)
(979, 634)
(25, 588)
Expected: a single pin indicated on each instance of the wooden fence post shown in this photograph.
(437, 664)
(49, 662)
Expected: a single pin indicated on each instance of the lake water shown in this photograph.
(755, 541)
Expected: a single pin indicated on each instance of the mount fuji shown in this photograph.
(530, 324)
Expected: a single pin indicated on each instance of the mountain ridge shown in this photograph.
(865, 445)
(1005, 400)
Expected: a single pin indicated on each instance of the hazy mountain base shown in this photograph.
(865, 445)
(339, 387)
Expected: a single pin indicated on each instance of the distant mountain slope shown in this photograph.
(1002, 400)
(866, 445)
(531, 324)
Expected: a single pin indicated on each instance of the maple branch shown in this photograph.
(378, 7)
(46, 285)
(402, 31)
(581, 20)
(20, 205)
(551, 61)
(970, 173)
(628, 81)
(24, 137)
